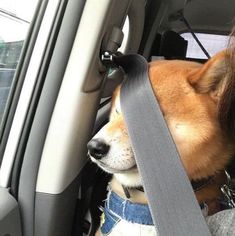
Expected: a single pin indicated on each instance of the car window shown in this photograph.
(211, 42)
(14, 24)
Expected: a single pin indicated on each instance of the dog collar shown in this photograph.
(127, 193)
(200, 184)
(196, 185)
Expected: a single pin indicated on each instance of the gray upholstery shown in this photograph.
(222, 223)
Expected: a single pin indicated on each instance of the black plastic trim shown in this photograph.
(49, 206)
(9, 215)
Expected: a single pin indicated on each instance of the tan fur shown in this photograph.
(189, 94)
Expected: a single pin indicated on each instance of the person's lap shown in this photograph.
(222, 223)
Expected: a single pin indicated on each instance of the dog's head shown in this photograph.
(198, 104)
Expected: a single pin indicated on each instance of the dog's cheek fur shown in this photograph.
(129, 179)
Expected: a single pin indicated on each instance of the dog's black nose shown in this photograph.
(97, 148)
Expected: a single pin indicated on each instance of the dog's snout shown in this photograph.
(97, 148)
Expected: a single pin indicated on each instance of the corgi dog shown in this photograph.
(198, 104)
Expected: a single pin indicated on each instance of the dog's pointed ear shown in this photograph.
(217, 78)
(213, 76)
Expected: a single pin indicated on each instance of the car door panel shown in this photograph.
(10, 223)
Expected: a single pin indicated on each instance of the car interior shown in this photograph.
(52, 186)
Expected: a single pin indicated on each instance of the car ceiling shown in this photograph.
(212, 16)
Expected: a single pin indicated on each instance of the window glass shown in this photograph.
(211, 42)
(15, 17)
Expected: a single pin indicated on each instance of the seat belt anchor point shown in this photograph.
(107, 60)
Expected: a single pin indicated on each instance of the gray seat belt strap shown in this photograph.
(172, 202)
